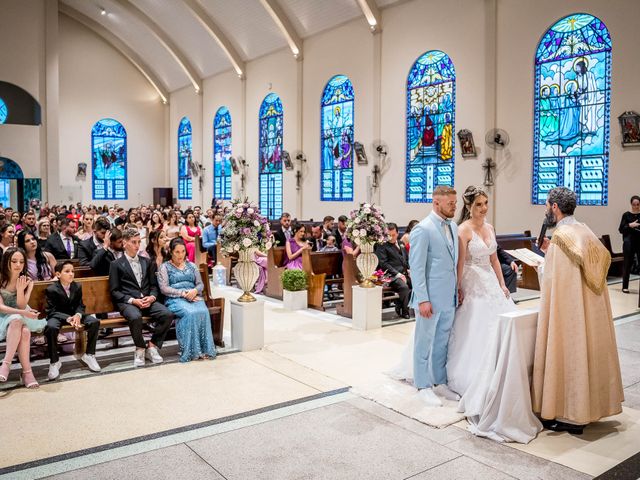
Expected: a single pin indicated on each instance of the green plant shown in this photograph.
(294, 280)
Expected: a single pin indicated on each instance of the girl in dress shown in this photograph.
(7, 234)
(171, 227)
(295, 246)
(188, 233)
(17, 320)
(86, 230)
(157, 247)
(182, 286)
(155, 223)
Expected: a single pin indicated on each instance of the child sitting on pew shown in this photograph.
(65, 306)
(330, 245)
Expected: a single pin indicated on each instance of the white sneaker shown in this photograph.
(138, 358)
(91, 362)
(54, 370)
(153, 355)
(430, 398)
(444, 391)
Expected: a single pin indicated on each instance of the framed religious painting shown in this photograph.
(630, 129)
(467, 147)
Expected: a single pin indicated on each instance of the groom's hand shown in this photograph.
(426, 310)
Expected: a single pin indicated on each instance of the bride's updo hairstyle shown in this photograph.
(469, 197)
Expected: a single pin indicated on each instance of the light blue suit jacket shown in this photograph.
(433, 264)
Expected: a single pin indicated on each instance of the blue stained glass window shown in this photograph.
(3, 111)
(222, 154)
(431, 101)
(185, 150)
(270, 155)
(109, 160)
(336, 170)
(571, 123)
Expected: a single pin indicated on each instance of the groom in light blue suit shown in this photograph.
(433, 260)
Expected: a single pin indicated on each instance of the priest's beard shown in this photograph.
(550, 219)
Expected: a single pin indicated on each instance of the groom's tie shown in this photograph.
(446, 224)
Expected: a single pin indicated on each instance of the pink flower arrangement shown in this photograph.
(244, 228)
(366, 225)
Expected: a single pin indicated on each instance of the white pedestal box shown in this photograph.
(247, 325)
(367, 308)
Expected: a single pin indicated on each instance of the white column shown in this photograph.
(247, 325)
(367, 308)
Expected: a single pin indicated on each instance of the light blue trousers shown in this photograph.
(430, 347)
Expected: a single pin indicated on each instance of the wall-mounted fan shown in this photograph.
(497, 138)
(195, 168)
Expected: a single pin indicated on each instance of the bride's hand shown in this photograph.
(460, 296)
(506, 291)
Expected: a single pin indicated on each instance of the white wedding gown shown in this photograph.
(472, 345)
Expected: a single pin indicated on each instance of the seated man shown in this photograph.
(316, 239)
(134, 290)
(87, 248)
(63, 245)
(509, 269)
(393, 259)
(327, 226)
(340, 232)
(210, 235)
(282, 234)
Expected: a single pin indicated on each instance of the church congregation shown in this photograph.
(284, 239)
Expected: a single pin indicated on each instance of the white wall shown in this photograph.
(22, 61)
(521, 25)
(98, 82)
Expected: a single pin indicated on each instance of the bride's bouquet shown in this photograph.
(244, 228)
(367, 226)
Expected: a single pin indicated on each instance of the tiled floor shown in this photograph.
(341, 436)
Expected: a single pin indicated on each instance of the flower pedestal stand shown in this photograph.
(247, 325)
(367, 308)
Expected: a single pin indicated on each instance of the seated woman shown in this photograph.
(155, 223)
(295, 246)
(347, 247)
(7, 234)
(261, 261)
(86, 230)
(405, 237)
(182, 286)
(17, 320)
(41, 265)
(157, 248)
(171, 227)
(188, 233)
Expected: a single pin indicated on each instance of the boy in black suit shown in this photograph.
(65, 305)
(134, 290)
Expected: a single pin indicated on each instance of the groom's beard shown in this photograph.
(550, 219)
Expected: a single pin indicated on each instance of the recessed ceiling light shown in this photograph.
(103, 12)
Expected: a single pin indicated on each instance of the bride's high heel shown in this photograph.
(29, 382)
(5, 369)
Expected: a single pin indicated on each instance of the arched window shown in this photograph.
(571, 123)
(185, 150)
(336, 169)
(109, 160)
(222, 154)
(270, 155)
(3, 111)
(431, 102)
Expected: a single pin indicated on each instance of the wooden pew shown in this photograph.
(352, 277)
(83, 271)
(215, 307)
(97, 299)
(617, 259)
(514, 241)
(275, 260)
(318, 266)
(200, 256)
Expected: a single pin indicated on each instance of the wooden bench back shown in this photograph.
(275, 260)
(350, 272)
(329, 263)
(95, 294)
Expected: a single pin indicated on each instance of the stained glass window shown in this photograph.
(336, 169)
(431, 100)
(270, 155)
(571, 123)
(222, 154)
(109, 160)
(185, 150)
(3, 111)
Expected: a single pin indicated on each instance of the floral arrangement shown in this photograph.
(381, 278)
(244, 228)
(366, 225)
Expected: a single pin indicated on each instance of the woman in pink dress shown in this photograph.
(188, 233)
(295, 246)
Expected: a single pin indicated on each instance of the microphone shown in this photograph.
(543, 232)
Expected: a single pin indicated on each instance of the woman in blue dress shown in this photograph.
(182, 287)
(17, 320)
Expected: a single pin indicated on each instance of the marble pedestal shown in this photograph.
(367, 308)
(247, 325)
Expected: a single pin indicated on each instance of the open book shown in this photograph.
(526, 256)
